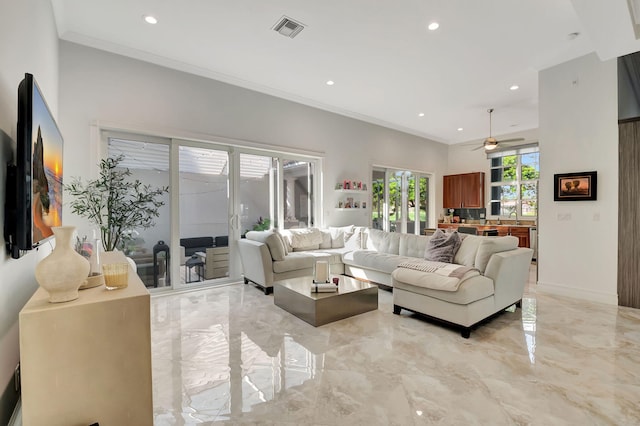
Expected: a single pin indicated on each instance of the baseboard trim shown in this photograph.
(577, 293)
(16, 418)
(9, 404)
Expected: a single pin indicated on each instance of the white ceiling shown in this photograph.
(386, 65)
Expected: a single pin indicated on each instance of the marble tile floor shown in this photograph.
(228, 355)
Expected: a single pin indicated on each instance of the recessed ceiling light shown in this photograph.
(514, 87)
(433, 26)
(330, 83)
(421, 114)
(460, 129)
(150, 19)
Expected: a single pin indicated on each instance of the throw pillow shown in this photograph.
(338, 235)
(442, 247)
(284, 243)
(326, 239)
(353, 241)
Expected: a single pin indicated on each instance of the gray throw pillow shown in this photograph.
(442, 247)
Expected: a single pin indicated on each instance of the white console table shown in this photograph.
(88, 360)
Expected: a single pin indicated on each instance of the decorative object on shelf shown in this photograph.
(63, 271)
(116, 275)
(580, 186)
(114, 203)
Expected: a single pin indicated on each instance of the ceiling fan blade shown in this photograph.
(480, 147)
(511, 140)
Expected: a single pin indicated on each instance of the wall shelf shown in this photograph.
(352, 191)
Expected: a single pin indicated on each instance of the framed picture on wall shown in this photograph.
(581, 186)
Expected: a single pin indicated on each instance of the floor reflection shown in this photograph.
(228, 354)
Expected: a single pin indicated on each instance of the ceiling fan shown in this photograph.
(491, 143)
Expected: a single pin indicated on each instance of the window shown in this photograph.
(514, 182)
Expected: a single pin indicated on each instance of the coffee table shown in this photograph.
(353, 297)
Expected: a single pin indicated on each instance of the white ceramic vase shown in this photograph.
(64, 270)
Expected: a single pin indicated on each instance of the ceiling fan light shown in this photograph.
(491, 146)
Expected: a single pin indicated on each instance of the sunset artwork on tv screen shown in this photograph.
(39, 167)
(47, 170)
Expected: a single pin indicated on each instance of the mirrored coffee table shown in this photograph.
(353, 297)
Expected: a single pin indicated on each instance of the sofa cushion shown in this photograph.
(466, 254)
(383, 242)
(307, 248)
(305, 237)
(371, 259)
(413, 245)
(196, 242)
(276, 247)
(442, 247)
(299, 260)
(491, 245)
(470, 290)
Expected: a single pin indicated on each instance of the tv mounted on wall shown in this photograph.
(37, 175)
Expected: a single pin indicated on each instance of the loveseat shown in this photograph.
(495, 269)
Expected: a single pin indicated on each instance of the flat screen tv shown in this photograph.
(38, 172)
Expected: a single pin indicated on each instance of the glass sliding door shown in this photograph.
(204, 214)
(258, 193)
(378, 208)
(297, 188)
(149, 248)
(400, 201)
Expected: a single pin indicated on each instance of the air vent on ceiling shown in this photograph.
(288, 27)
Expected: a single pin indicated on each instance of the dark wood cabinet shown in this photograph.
(463, 191)
(522, 233)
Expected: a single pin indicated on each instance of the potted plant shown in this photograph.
(115, 203)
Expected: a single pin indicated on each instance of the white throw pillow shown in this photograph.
(338, 235)
(305, 237)
(326, 239)
(283, 241)
(353, 241)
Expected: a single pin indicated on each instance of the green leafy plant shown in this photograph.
(115, 203)
(262, 224)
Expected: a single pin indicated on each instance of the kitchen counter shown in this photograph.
(522, 232)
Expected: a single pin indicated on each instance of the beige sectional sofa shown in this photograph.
(496, 280)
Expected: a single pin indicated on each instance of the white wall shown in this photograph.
(578, 241)
(96, 85)
(28, 43)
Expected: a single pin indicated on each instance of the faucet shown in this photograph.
(516, 214)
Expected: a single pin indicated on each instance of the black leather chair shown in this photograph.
(467, 230)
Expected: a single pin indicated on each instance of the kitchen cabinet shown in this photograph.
(463, 191)
(522, 233)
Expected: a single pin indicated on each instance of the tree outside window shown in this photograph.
(514, 185)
